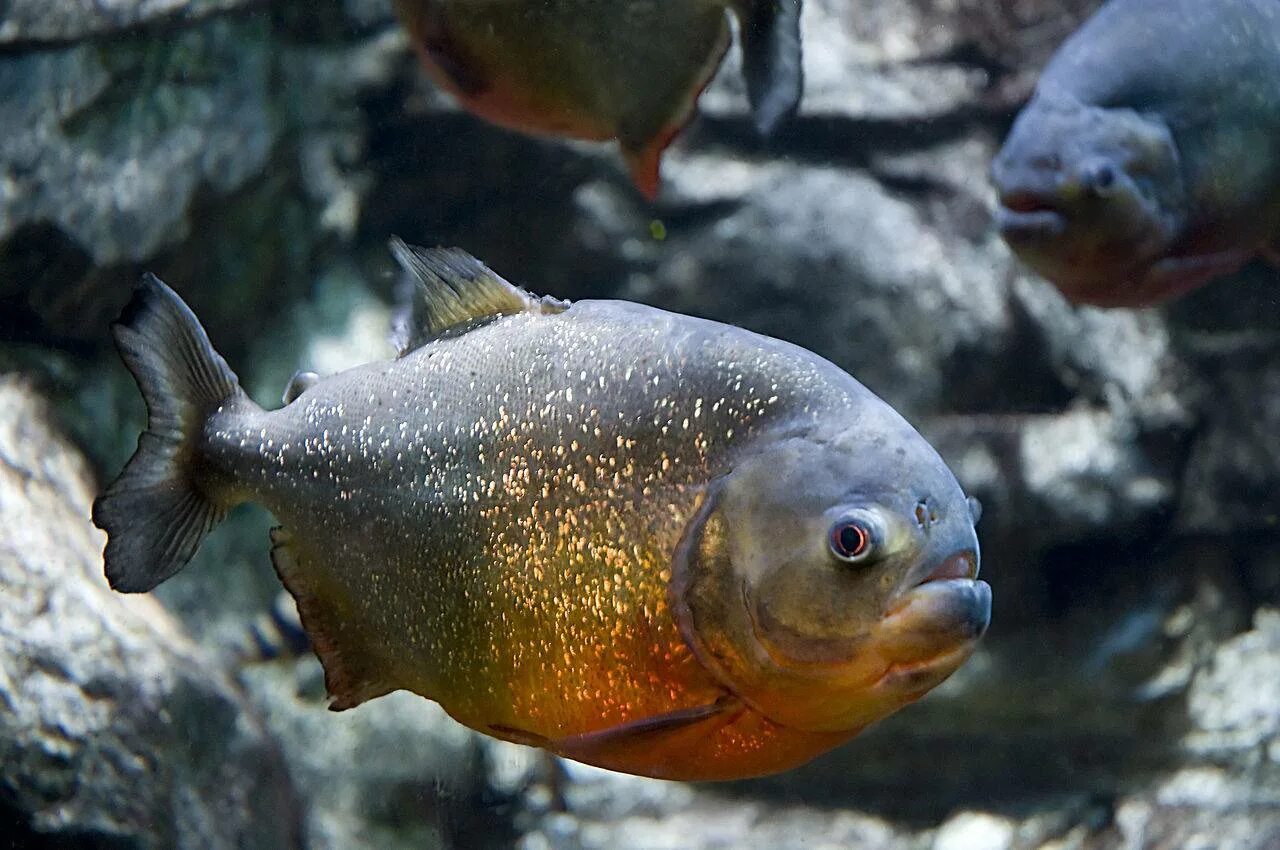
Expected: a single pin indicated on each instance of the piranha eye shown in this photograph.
(1101, 177)
(853, 540)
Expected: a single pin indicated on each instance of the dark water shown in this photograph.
(258, 156)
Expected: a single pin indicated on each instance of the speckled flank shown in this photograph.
(495, 513)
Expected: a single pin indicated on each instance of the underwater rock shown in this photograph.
(116, 727)
(394, 773)
(110, 144)
(174, 141)
(68, 20)
(1227, 796)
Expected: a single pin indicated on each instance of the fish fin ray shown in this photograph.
(608, 745)
(156, 513)
(520, 736)
(452, 291)
(771, 59)
(645, 166)
(1172, 276)
(347, 686)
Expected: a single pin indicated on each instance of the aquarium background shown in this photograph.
(257, 156)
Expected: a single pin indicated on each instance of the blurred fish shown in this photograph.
(641, 540)
(1148, 161)
(629, 70)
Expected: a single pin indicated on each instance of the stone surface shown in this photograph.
(395, 772)
(110, 144)
(67, 20)
(115, 727)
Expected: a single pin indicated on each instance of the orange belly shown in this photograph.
(737, 744)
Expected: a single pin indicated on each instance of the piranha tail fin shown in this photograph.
(771, 59)
(155, 513)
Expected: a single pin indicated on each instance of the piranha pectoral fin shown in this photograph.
(771, 59)
(641, 746)
(351, 676)
(1174, 276)
(645, 745)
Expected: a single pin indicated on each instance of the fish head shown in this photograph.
(830, 579)
(1089, 196)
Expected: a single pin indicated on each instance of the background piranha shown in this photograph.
(629, 70)
(1148, 161)
(637, 539)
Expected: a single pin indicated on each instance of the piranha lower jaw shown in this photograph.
(924, 637)
(1025, 218)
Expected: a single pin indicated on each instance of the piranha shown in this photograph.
(629, 70)
(637, 539)
(1148, 160)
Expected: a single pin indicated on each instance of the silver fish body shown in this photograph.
(604, 528)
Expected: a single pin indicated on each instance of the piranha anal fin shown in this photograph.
(156, 513)
(644, 164)
(771, 59)
(453, 290)
(1174, 276)
(349, 676)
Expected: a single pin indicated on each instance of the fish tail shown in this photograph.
(156, 513)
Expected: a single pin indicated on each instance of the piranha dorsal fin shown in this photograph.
(771, 58)
(453, 290)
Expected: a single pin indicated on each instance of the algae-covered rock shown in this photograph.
(115, 725)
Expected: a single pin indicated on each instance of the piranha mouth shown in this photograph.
(1024, 216)
(929, 630)
(946, 608)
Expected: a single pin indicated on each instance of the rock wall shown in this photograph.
(258, 155)
(115, 727)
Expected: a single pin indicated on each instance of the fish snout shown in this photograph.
(933, 623)
(960, 565)
(1024, 216)
(953, 610)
